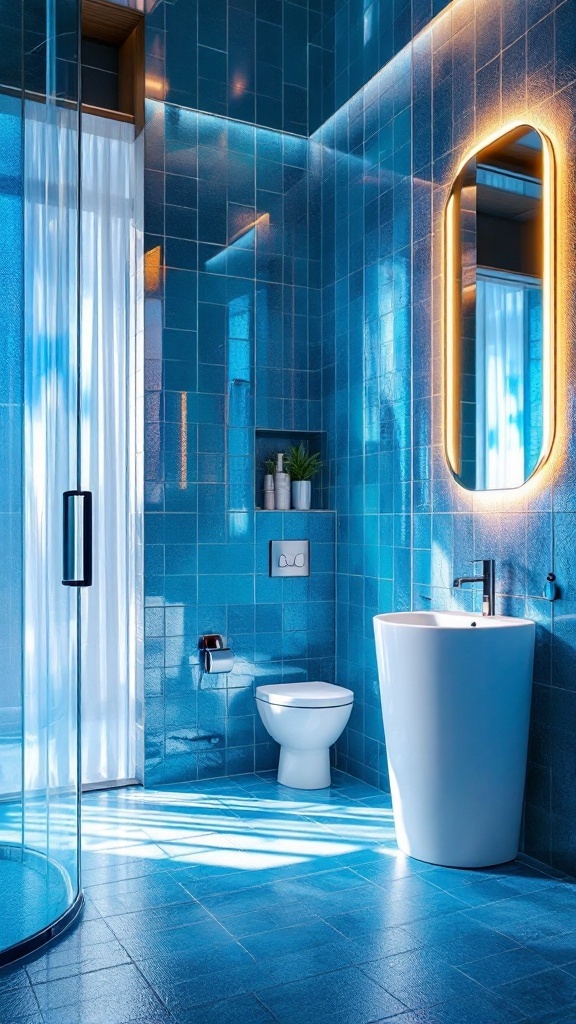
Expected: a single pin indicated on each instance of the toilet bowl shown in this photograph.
(305, 719)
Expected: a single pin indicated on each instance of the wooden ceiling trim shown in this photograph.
(107, 22)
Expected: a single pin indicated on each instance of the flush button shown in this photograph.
(289, 558)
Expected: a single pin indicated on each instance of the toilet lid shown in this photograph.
(305, 695)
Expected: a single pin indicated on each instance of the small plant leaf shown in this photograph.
(302, 464)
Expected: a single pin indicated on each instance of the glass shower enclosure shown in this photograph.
(39, 457)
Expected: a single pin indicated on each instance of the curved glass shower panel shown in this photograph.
(50, 458)
(39, 790)
(11, 414)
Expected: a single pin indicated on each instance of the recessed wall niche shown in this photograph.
(112, 58)
(269, 442)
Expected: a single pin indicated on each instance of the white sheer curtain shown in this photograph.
(107, 328)
(49, 468)
(500, 381)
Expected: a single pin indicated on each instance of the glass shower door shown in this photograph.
(39, 666)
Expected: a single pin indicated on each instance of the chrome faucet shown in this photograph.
(487, 579)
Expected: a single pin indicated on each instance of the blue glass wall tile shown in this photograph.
(242, 60)
(319, 310)
(205, 559)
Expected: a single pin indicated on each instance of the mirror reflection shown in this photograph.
(498, 360)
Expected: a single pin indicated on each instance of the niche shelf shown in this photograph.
(113, 61)
(269, 442)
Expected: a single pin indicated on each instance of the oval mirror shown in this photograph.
(499, 312)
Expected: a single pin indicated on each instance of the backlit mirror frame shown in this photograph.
(452, 300)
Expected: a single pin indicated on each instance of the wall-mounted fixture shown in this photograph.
(550, 592)
(488, 581)
(216, 657)
(499, 311)
(289, 557)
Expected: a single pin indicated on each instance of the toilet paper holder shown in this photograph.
(216, 657)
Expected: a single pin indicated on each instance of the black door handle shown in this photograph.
(77, 539)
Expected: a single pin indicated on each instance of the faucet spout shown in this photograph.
(487, 579)
(467, 579)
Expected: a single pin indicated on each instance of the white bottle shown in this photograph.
(281, 485)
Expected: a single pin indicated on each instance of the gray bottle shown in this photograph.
(269, 492)
(281, 485)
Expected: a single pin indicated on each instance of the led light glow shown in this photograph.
(156, 87)
(153, 270)
(263, 221)
(451, 312)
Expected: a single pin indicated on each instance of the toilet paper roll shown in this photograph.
(219, 661)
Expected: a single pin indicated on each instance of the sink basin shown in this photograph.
(456, 691)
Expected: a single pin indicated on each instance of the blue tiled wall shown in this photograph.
(232, 343)
(325, 315)
(405, 529)
(368, 33)
(266, 62)
(364, 153)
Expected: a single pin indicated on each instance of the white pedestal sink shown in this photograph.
(456, 692)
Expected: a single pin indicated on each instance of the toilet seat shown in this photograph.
(314, 694)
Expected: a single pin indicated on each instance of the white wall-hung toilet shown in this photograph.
(305, 719)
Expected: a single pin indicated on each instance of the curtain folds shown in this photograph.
(107, 304)
(506, 367)
(49, 468)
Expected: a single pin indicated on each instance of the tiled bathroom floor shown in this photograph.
(239, 901)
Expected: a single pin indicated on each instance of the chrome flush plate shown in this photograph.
(289, 557)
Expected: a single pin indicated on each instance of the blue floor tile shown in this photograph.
(458, 939)
(362, 898)
(203, 936)
(12, 978)
(159, 919)
(111, 1010)
(337, 880)
(114, 995)
(502, 968)
(420, 978)
(521, 920)
(67, 960)
(238, 1010)
(243, 901)
(567, 1016)
(481, 1008)
(289, 940)
(279, 916)
(17, 1003)
(557, 949)
(236, 900)
(375, 945)
(547, 992)
(343, 997)
(203, 990)
(310, 963)
(164, 971)
(35, 1018)
(135, 894)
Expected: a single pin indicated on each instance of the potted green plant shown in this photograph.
(302, 465)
